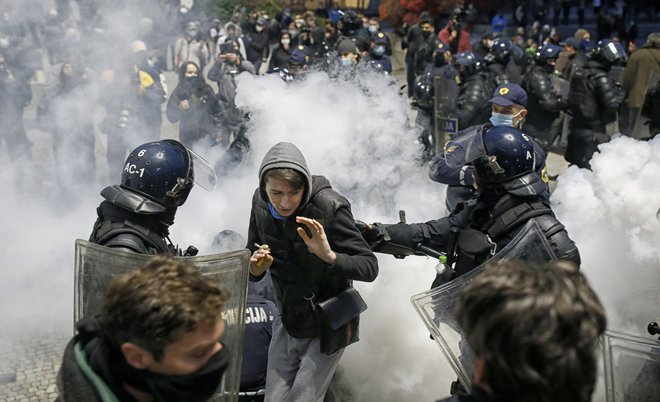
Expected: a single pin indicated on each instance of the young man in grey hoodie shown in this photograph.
(304, 232)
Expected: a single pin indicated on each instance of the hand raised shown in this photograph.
(317, 243)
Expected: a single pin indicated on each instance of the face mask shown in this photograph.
(426, 33)
(286, 42)
(293, 33)
(152, 61)
(373, 29)
(196, 387)
(489, 44)
(258, 28)
(583, 44)
(501, 119)
(379, 50)
(346, 62)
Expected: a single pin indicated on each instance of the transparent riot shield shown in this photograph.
(436, 306)
(446, 124)
(631, 367)
(96, 265)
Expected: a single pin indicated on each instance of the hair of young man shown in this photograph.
(155, 304)
(293, 177)
(537, 329)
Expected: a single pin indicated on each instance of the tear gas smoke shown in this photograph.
(355, 133)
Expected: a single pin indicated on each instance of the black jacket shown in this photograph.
(279, 58)
(296, 272)
(594, 98)
(198, 121)
(544, 103)
(472, 103)
(474, 220)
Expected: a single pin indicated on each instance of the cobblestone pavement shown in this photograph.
(28, 368)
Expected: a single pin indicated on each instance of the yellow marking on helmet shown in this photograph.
(504, 91)
(544, 174)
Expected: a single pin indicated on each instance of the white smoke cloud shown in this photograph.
(355, 133)
(610, 212)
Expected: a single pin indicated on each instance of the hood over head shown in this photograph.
(285, 155)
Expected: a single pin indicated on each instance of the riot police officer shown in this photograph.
(594, 101)
(156, 179)
(440, 73)
(508, 105)
(498, 62)
(508, 196)
(475, 90)
(544, 103)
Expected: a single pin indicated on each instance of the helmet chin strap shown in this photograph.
(180, 185)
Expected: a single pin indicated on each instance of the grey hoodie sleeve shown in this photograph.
(355, 260)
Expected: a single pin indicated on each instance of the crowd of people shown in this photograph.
(513, 95)
(583, 89)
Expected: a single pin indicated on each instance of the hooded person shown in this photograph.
(349, 55)
(193, 105)
(304, 233)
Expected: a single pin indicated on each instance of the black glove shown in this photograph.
(371, 233)
(401, 234)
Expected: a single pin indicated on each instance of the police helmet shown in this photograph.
(468, 63)
(349, 22)
(423, 90)
(609, 52)
(501, 50)
(163, 172)
(549, 51)
(439, 53)
(505, 156)
(299, 56)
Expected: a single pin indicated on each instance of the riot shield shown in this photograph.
(560, 85)
(96, 265)
(632, 367)
(436, 306)
(446, 123)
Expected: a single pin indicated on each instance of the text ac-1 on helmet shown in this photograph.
(165, 171)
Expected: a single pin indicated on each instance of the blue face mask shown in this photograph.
(500, 119)
(379, 50)
(346, 62)
(373, 29)
(584, 44)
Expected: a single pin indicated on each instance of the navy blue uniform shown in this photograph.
(259, 316)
